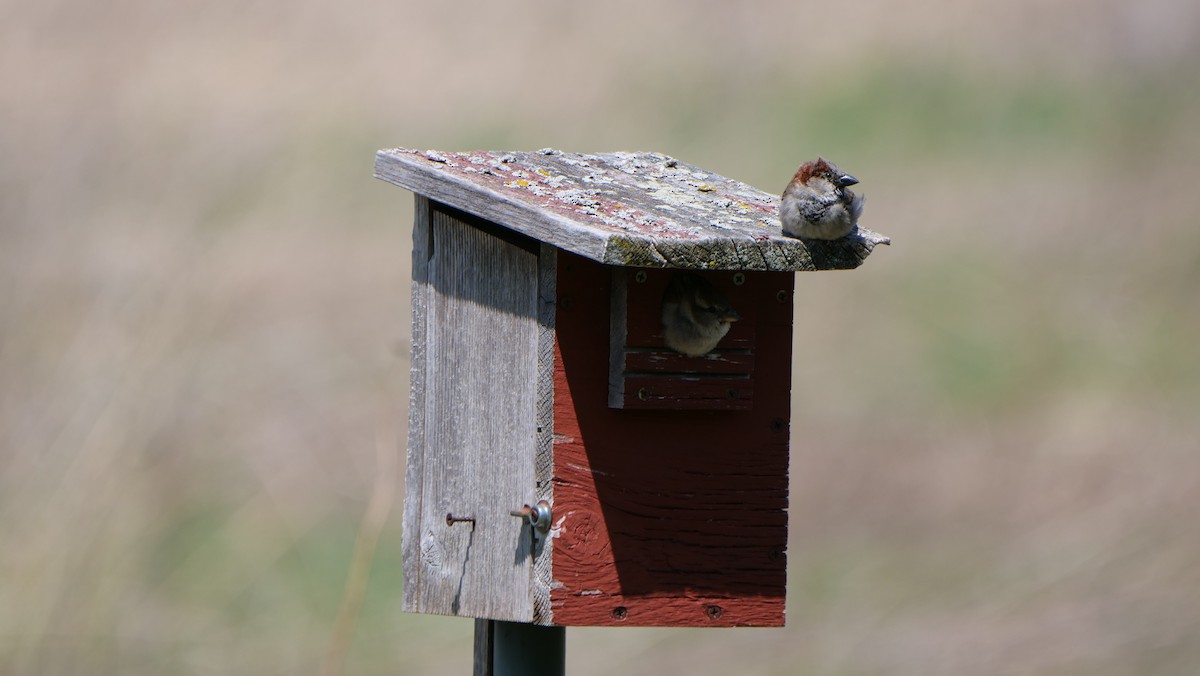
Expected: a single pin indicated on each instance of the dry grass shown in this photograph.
(203, 320)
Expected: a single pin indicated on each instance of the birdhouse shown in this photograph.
(566, 467)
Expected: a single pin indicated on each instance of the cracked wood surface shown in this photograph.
(636, 209)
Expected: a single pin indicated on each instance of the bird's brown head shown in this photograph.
(825, 169)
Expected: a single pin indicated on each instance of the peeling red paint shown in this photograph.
(624, 191)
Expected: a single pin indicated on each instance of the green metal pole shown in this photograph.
(519, 649)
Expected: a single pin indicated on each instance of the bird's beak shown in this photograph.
(846, 179)
(730, 316)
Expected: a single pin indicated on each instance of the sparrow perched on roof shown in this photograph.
(818, 203)
(695, 315)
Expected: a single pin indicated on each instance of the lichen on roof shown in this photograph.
(622, 208)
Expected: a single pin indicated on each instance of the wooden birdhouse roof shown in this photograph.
(623, 208)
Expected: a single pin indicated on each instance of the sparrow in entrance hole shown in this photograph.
(818, 203)
(695, 315)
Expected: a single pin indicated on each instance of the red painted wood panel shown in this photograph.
(669, 361)
(667, 518)
(648, 375)
(688, 393)
(644, 320)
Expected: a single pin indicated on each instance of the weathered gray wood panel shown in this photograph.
(473, 426)
(635, 209)
(544, 462)
(414, 469)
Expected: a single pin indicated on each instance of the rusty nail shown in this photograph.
(451, 519)
(713, 612)
(739, 278)
(620, 613)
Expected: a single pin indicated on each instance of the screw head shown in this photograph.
(739, 278)
(713, 612)
(620, 613)
(640, 276)
(781, 296)
(540, 516)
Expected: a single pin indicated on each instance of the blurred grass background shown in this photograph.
(203, 319)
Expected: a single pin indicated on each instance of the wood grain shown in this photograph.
(634, 209)
(543, 576)
(414, 471)
(671, 518)
(473, 435)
